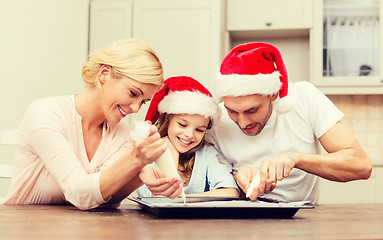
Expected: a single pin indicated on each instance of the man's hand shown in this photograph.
(158, 184)
(272, 170)
(278, 167)
(245, 176)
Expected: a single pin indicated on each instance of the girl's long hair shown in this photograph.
(186, 160)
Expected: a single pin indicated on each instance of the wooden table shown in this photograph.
(346, 221)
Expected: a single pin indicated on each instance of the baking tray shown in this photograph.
(219, 207)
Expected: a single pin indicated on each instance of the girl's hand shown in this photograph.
(158, 184)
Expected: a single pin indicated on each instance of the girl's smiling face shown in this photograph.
(186, 131)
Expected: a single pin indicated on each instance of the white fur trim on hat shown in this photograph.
(186, 102)
(235, 85)
(285, 104)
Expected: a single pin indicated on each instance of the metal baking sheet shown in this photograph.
(219, 207)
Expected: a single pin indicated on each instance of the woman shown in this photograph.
(75, 148)
(184, 110)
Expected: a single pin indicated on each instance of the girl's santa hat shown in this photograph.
(254, 68)
(182, 95)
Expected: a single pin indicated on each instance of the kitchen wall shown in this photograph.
(43, 46)
(364, 116)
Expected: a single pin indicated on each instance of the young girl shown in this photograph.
(184, 110)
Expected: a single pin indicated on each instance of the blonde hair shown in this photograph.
(133, 58)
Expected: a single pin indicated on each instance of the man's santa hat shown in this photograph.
(254, 68)
(182, 95)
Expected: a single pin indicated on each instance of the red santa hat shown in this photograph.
(254, 68)
(182, 95)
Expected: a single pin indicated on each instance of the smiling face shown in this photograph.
(121, 96)
(250, 113)
(185, 131)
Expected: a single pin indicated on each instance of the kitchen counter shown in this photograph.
(327, 221)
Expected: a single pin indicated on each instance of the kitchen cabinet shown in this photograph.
(285, 24)
(346, 47)
(360, 191)
(186, 35)
(262, 15)
(109, 21)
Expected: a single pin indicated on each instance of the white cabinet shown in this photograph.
(360, 191)
(347, 47)
(185, 34)
(272, 14)
(285, 24)
(109, 21)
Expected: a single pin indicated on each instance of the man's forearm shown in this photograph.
(342, 166)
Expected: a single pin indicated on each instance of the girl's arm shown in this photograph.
(220, 181)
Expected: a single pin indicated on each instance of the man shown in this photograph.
(275, 128)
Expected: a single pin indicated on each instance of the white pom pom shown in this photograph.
(285, 104)
(141, 131)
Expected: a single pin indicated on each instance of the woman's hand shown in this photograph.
(151, 148)
(158, 184)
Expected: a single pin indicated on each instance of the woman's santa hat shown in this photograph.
(182, 95)
(254, 68)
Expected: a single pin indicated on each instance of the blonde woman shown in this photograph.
(75, 149)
